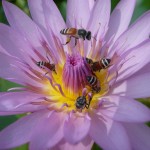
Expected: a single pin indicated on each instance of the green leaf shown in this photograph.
(96, 147)
(23, 147)
(5, 85)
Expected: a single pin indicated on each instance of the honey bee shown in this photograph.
(82, 103)
(98, 65)
(93, 82)
(76, 33)
(89, 61)
(48, 65)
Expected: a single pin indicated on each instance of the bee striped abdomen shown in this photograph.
(49, 66)
(69, 31)
(92, 80)
(41, 64)
(105, 63)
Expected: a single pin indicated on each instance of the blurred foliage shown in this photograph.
(141, 7)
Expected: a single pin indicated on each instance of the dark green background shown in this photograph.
(142, 6)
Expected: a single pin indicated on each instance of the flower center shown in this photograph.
(74, 60)
(74, 74)
(75, 83)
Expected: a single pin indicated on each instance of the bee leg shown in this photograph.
(87, 105)
(55, 71)
(89, 100)
(46, 73)
(76, 41)
(68, 40)
(94, 38)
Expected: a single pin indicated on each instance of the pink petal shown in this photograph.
(137, 59)
(109, 135)
(91, 4)
(78, 127)
(3, 51)
(129, 38)
(99, 17)
(10, 70)
(120, 18)
(136, 86)
(48, 132)
(19, 132)
(85, 144)
(22, 23)
(54, 24)
(145, 69)
(53, 18)
(11, 102)
(30, 32)
(19, 49)
(139, 135)
(37, 13)
(6, 42)
(78, 13)
(126, 110)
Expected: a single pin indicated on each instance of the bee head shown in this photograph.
(38, 63)
(88, 36)
(80, 102)
(62, 31)
(88, 78)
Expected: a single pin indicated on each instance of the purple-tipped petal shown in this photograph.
(48, 132)
(135, 86)
(78, 127)
(130, 39)
(126, 110)
(20, 102)
(139, 135)
(109, 135)
(22, 23)
(78, 13)
(19, 132)
(137, 59)
(99, 17)
(120, 18)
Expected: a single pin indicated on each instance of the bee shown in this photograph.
(89, 61)
(76, 33)
(93, 82)
(81, 102)
(104, 63)
(48, 65)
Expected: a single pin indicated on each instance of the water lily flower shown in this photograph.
(70, 103)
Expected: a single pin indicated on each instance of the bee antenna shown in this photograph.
(94, 38)
(47, 57)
